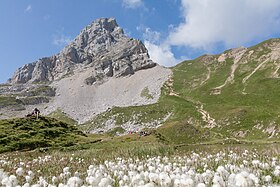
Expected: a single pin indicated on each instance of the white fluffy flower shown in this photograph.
(254, 179)
(74, 182)
(26, 185)
(187, 182)
(66, 170)
(218, 180)
(255, 163)
(54, 179)
(10, 181)
(276, 173)
(30, 173)
(19, 171)
(268, 178)
(241, 181)
(149, 185)
(201, 185)
(42, 181)
(105, 182)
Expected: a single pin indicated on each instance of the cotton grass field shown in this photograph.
(150, 165)
(48, 153)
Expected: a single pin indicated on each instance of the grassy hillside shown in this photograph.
(31, 133)
(61, 116)
(247, 107)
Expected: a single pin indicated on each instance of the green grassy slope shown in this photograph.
(61, 116)
(31, 133)
(244, 109)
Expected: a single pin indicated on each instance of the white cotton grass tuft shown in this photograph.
(10, 181)
(66, 169)
(42, 181)
(276, 172)
(28, 178)
(26, 185)
(105, 182)
(20, 171)
(54, 179)
(201, 185)
(74, 182)
(268, 179)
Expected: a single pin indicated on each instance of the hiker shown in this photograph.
(36, 112)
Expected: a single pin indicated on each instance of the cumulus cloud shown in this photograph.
(159, 51)
(149, 34)
(61, 40)
(227, 22)
(208, 25)
(28, 9)
(161, 54)
(132, 3)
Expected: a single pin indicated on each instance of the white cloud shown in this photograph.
(161, 54)
(132, 3)
(159, 51)
(228, 22)
(28, 9)
(61, 40)
(149, 34)
(213, 24)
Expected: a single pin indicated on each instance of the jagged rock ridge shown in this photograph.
(102, 46)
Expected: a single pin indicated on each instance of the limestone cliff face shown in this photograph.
(101, 46)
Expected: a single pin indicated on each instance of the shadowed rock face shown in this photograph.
(101, 46)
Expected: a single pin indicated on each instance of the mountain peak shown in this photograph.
(101, 45)
(108, 24)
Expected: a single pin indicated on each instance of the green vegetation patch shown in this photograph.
(183, 133)
(138, 114)
(61, 116)
(31, 133)
(34, 100)
(8, 101)
(116, 131)
(43, 90)
(146, 93)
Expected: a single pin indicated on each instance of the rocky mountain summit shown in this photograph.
(102, 46)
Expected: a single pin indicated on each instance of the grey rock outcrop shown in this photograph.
(101, 46)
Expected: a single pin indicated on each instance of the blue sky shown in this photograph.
(172, 30)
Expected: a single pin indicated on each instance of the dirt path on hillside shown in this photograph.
(255, 70)
(206, 117)
(233, 68)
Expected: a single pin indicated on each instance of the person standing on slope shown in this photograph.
(36, 112)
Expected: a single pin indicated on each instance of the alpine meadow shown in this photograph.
(111, 116)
